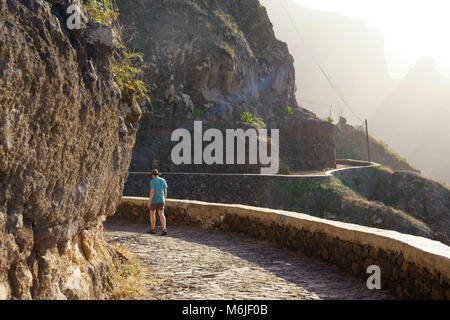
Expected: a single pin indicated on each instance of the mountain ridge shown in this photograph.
(363, 77)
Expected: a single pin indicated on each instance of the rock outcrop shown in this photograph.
(66, 136)
(213, 60)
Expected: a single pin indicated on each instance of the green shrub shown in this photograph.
(197, 113)
(284, 169)
(101, 10)
(211, 27)
(288, 111)
(323, 188)
(247, 119)
(125, 65)
(127, 73)
(265, 58)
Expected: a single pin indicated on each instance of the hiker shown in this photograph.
(158, 195)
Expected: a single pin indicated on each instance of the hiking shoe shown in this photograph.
(151, 231)
(164, 233)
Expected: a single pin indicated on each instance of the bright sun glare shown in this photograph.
(412, 28)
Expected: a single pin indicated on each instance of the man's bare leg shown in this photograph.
(152, 220)
(162, 218)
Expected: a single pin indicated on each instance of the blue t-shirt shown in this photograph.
(158, 185)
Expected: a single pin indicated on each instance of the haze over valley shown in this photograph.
(408, 113)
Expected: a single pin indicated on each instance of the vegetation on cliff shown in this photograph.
(126, 66)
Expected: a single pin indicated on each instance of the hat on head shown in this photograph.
(155, 172)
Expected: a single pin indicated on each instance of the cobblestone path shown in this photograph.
(191, 263)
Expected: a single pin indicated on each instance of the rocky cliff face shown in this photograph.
(66, 135)
(213, 60)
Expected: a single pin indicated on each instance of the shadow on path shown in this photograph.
(231, 265)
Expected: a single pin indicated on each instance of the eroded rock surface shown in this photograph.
(213, 60)
(63, 156)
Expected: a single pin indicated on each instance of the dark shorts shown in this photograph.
(157, 206)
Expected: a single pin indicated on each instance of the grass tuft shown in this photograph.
(127, 281)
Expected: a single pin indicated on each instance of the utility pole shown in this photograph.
(368, 145)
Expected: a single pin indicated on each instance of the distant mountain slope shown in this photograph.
(409, 114)
(349, 49)
(414, 119)
(351, 143)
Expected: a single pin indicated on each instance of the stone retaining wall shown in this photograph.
(351, 162)
(411, 267)
(248, 189)
(305, 145)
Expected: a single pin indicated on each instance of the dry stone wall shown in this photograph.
(248, 189)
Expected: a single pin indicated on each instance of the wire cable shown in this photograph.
(316, 103)
(316, 59)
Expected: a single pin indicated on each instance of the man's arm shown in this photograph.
(150, 198)
(165, 190)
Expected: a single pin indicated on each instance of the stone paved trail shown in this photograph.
(192, 263)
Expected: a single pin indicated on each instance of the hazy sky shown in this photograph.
(412, 28)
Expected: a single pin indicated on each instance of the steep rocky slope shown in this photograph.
(371, 196)
(357, 64)
(350, 49)
(413, 119)
(213, 60)
(409, 194)
(351, 143)
(409, 114)
(67, 133)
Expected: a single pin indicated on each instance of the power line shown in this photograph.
(319, 64)
(316, 103)
(322, 105)
(329, 106)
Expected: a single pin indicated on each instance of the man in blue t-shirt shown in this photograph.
(157, 199)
